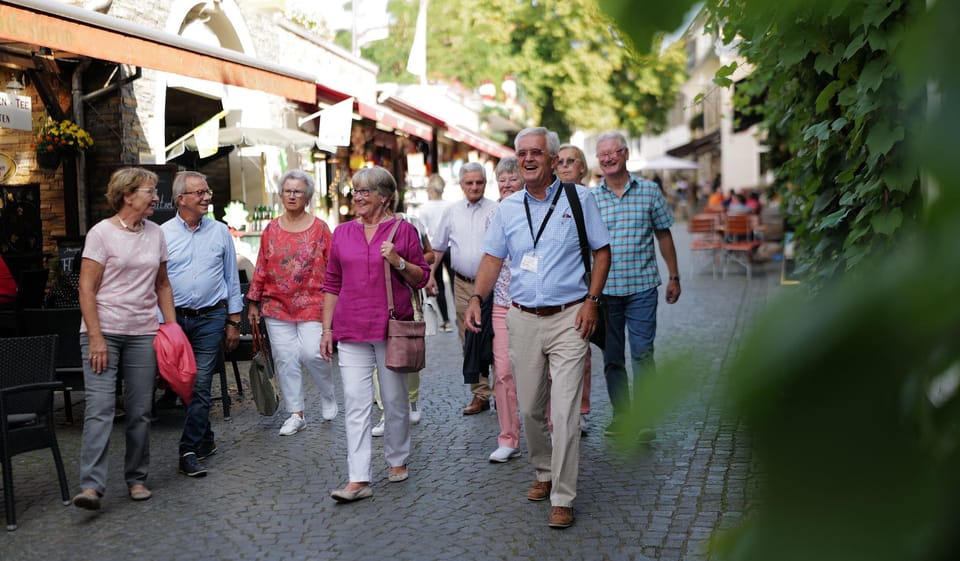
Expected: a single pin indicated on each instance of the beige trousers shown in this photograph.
(540, 346)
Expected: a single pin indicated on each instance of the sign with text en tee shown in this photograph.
(15, 112)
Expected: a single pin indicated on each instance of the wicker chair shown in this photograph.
(26, 409)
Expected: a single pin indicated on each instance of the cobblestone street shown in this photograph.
(267, 497)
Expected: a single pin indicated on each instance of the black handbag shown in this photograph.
(599, 337)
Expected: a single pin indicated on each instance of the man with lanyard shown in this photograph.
(206, 293)
(553, 311)
(635, 213)
(462, 227)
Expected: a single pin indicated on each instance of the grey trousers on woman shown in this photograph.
(135, 355)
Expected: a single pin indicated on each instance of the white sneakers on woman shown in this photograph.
(293, 425)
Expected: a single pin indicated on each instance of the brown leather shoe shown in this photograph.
(477, 405)
(561, 517)
(539, 491)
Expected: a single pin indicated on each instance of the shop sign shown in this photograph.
(15, 112)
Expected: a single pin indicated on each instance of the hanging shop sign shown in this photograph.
(8, 167)
(15, 112)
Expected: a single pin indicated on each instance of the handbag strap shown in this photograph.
(571, 191)
(417, 306)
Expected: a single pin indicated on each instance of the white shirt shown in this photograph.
(462, 227)
(430, 214)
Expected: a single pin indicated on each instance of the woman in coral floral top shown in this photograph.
(287, 291)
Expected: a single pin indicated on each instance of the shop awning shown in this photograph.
(251, 136)
(480, 143)
(395, 120)
(72, 30)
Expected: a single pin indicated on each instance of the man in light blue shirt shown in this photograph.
(202, 267)
(553, 311)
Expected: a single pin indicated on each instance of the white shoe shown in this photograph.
(293, 425)
(378, 430)
(329, 409)
(503, 454)
(415, 413)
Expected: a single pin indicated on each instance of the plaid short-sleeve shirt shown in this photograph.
(631, 221)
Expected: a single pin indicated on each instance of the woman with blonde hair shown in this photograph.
(123, 279)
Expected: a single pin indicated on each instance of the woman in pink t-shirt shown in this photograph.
(355, 315)
(286, 291)
(123, 279)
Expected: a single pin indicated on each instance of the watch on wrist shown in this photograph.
(675, 278)
(402, 265)
(592, 298)
(233, 323)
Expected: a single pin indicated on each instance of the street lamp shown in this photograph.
(14, 87)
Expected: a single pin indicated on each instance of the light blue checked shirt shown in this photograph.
(632, 221)
(559, 277)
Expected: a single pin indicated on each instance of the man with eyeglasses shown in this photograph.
(636, 214)
(553, 311)
(202, 267)
(461, 232)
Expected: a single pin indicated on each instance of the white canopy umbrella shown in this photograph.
(666, 162)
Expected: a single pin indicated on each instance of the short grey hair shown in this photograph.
(553, 141)
(299, 175)
(180, 181)
(507, 165)
(377, 179)
(435, 185)
(613, 135)
(472, 166)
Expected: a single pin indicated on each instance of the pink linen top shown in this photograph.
(127, 295)
(289, 276)
(355, 273)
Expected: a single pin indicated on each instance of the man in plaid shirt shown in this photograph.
(635, 213)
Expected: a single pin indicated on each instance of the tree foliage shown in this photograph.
(835, 110)
(573, 68)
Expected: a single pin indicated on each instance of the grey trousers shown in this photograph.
(134, 355)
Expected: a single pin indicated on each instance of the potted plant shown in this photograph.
(58, 137)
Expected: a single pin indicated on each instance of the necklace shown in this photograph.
(128, 228)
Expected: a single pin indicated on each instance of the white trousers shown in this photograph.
(296, 347)
(357, 361)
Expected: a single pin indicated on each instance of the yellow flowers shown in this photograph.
(61, 136)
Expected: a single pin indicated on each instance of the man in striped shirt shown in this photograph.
(635, 213)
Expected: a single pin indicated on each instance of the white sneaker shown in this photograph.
(328, 408)
(293, 425)
(503, 454)
(378, 430)
(415, 413)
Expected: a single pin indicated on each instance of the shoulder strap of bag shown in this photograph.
(386, 272)
(571, 191)
(417, 305)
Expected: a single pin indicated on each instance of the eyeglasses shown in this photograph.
(567, 161)
(292, 193)
(361, 193)
(200, 193)
(614, 154)
(152, 192)
(535, 152)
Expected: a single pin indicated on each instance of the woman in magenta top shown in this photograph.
(286, 291)
(355, 315)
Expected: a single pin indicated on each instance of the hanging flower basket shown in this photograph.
(57, 138)
(49, 159)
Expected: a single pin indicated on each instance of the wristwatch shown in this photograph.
(675, 278)
(402, 265)
(233, 323)
(592, 298)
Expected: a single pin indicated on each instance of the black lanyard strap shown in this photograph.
(553, 205)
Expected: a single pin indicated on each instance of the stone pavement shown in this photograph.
(267, 497)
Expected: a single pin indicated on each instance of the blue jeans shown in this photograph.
(205, 333)
(638, 314)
